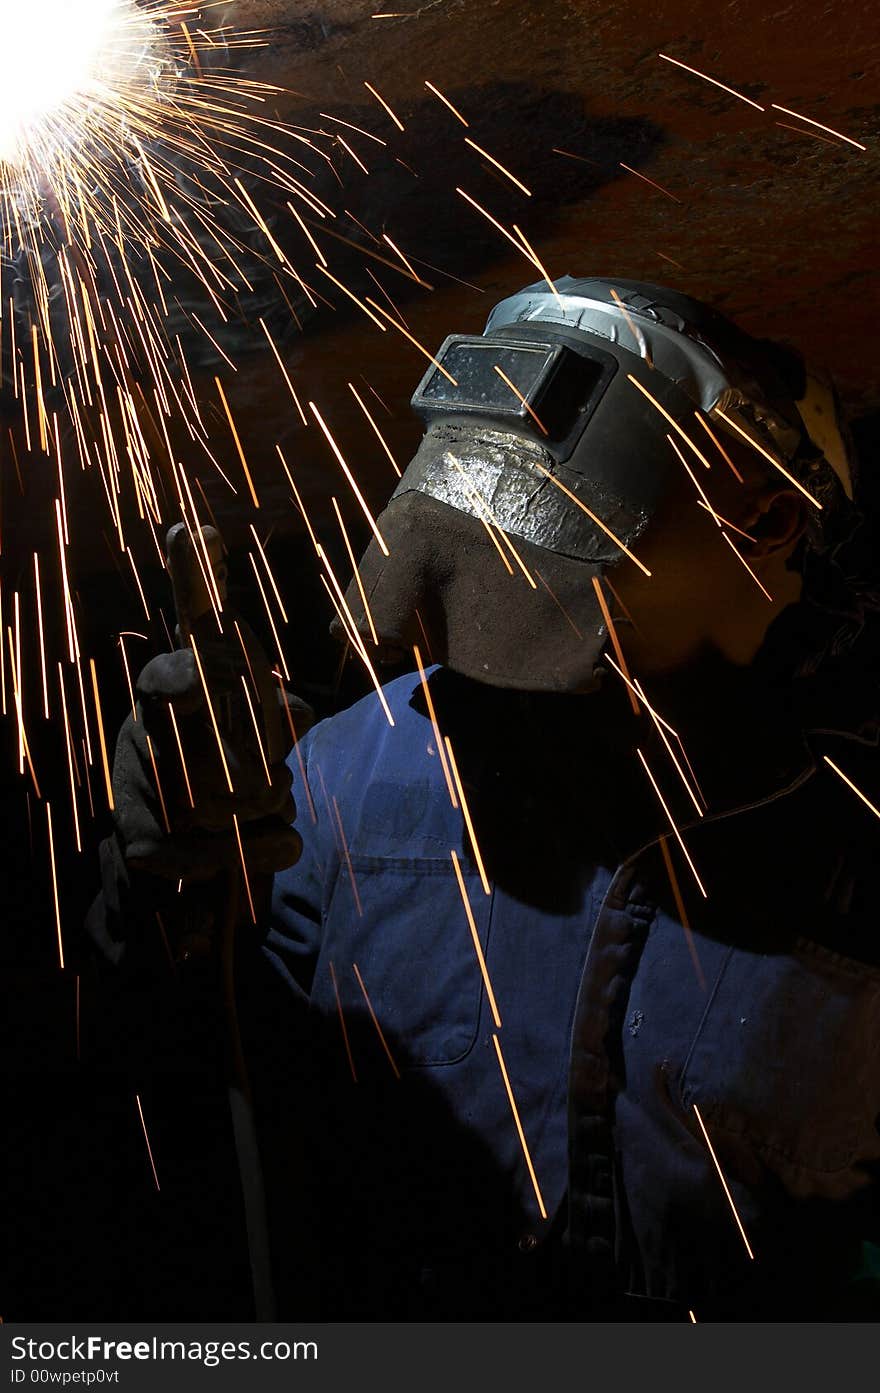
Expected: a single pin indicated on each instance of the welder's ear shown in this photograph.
(777, 520)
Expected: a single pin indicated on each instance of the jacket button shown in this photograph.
(527, 1243)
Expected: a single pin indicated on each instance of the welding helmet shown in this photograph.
(546, 455)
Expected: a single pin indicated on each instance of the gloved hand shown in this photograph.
(201, 786)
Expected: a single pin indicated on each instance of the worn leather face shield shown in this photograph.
(545, 458)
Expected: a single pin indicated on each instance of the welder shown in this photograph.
(567, 1005)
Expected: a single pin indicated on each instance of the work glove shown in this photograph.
(201, 787)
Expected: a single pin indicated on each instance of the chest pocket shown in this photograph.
(785, 1057)
(402, 923)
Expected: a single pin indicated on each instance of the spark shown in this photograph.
(238, 445)
(265, 560)
(211, 713)
(495, 223)
(70, 768)
(787, 126)
(158, 784)
(415, 275)
(356, 572)
(636, 332)
(723, 1182)
(467, 817)
(658, 187)
(299, 501)
(269, 615)
(42, 637)
(244, 870)
(775, 462)
(714, 81)
(107, 780)
(351, 479)
(256, 729)
(519, 1127)
(818, 124)
(351, 295)
(174, 726)
(682, 912)
(438, 739)
(520, 398)
(339, 122)
(147, 1139)
(54, 884)
(382, 102)
(342, 1023)
(719, 447)
(437, 93)
(533, 256)
(347, 855)
(378, 433)
(612, 634)
(850, 784)
(672, 824)
(413, 341)
(665, 414)
(478, 947)
(375, 1021)
(592, 516)
(346, 618)
(498, 165)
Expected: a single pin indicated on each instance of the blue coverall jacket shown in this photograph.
(630, 1019)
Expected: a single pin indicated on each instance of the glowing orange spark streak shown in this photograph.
(73, 646)
(719, 447)
(346, 618)
(375, 1020)
(519, 396)
(714, 81)
(42, 638)
(265, 558)
(636, 332)
(478, 947)
(69, 744)
(742, 560)
(244, 872)
(299, 501)
(211, 713)
(775, 462)
(270, 616)
(158, 784)
(256, 729)
(467, 817)
(851, 785)
(482, 509)
(446, 102)
(107, 780)
(682, 912)
(317, 250)
(438, 739)
(147, 1140)
(54, 884)
(357, 575)
(394, 247)
(360, 130)
(592, 516)
(666, 416)
(350, 477)
(342, 1023)
(787, 126)
(495, 223)
(678, 836)
(128, 679)
(562, 610)
(519, 1128)
(413, 341)
(138, 582)
(498, 165)
(658, 187)
(376, 429)
(344, 844)
(662, 727)
(810, 122)
(22, 733)
(723, 1182)
(189, 792)
(612, 634)
(382, 102)
(351, 295)
(241, 455)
